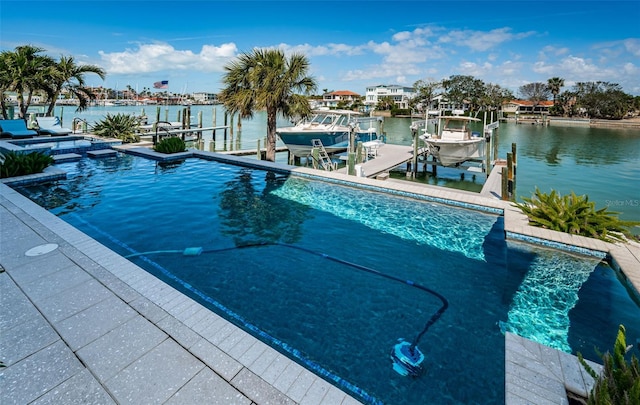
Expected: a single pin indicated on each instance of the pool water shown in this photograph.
(288, 259)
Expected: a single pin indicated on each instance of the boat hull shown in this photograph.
(300, 143)
(452, 153)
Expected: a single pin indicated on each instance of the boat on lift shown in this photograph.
(332, 128)
(452, 142)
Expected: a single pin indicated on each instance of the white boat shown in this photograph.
(453, 142)
(331, 127)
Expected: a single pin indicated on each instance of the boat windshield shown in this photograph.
(455, 125)
(330, 119)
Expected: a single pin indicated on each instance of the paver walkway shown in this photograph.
(81, 325)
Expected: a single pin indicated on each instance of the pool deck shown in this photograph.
(81, 324)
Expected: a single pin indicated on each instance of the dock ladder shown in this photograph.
(323, 157)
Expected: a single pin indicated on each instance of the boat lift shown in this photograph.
(422, 153)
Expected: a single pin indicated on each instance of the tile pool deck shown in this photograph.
(81, 324)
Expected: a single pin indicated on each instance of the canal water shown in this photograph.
(602, 163)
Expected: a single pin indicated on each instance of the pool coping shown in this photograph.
(624, 257)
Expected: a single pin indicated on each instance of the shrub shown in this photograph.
(172, 144)
(619, 382)
(576, 215)
(21, 164)
(120, 126)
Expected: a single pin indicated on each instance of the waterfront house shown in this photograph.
(526, 107)
(205, 98)
(344, 98)
(401, 95)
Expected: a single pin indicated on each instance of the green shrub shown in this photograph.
(14, 164)
(172, 144)
(120, 126)
(619, 382)
(576, 215)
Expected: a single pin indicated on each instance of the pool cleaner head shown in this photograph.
(407, 359)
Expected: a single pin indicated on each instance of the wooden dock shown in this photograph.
(492, 187)
(388, 157)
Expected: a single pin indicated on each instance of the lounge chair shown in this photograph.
(51, 126)
(16, 129)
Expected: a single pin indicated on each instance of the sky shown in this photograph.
(350, 44)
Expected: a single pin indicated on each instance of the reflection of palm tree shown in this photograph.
(250, 216)
(552, 155)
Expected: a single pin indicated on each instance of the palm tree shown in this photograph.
(555, 84)
(66, 74)
(5, 82)
(25, 73)
(267, 79)
(385, 103)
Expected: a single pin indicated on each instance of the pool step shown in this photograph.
(101, 153)
(66, 157)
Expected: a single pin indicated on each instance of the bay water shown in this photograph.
(603, 163)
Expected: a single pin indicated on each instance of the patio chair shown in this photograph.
(16, 129)
(51, 126)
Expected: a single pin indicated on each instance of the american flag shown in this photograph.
(161, 85)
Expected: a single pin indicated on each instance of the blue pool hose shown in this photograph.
(410, 361)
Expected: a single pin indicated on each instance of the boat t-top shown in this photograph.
(453, 142)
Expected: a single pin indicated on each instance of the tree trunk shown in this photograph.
(271, 134)
(52, 104)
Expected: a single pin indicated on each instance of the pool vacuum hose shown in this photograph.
(406, 357)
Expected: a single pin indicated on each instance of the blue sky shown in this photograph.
(350, 44)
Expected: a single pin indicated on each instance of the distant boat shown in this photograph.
(453, 142)
(331, 127)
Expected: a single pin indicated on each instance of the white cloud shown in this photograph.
(162, 56)
(632, 46)
(509, 68)
(481, 40)
(583, 70)
(551, 51)
(330, 49)
(474, 69)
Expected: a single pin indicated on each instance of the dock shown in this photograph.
(492, 187)
(387, 157)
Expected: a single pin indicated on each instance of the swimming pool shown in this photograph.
(331, 313)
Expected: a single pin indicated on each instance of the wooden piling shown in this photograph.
(515, 170)
(226, 118)
(351, 163)
(231, 144)
(495, 138)
(504, 194)
(513, 154)
(414, 160)
(258, 149)
(315, 153)
(213, 134)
